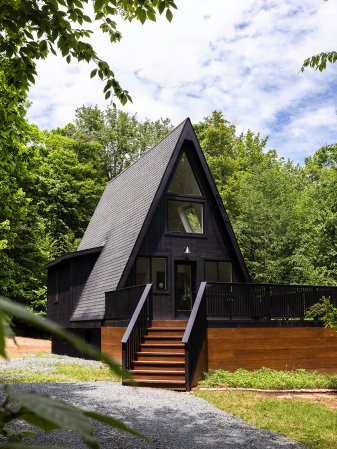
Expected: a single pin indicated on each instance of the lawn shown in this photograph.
(311, 420)
(313, 424)
(266, 378)
(57, 369)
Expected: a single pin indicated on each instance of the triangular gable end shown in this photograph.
(188, 134)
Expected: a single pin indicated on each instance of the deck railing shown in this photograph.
(120, 304)
(140, 321)
(195, 335)
(263, 301)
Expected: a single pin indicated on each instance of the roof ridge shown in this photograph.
(147, 151)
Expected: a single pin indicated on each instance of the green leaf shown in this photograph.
(161, 7)
(93, 73)
(39, 421)
(151, 15)
(108, 94)
(58, 413)
(169, 15)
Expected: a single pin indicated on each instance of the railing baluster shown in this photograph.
(263, 301)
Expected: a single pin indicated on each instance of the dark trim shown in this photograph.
(68, 256)
(115, 323)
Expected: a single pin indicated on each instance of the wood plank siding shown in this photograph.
(111, 341)
(278, 348)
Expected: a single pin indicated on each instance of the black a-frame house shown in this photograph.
(159, 233)
(161, 221)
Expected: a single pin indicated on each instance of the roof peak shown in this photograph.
(182, 124)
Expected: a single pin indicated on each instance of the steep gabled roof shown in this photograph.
(118, 220)
(125, 211)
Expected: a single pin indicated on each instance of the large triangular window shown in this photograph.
(184, 182)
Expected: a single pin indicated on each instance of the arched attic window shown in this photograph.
(185, 210)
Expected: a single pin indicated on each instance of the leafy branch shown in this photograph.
(30, 30)
(39, 410)
(324, 310)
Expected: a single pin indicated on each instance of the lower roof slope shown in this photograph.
(117, 222)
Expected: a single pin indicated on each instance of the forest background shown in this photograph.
(284, 215)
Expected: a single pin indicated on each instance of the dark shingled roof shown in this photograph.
(73, 255)
(117, 222)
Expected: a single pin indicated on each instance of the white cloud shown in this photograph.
(242, 58)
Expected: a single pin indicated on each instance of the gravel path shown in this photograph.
(172, 420)
(45, 361)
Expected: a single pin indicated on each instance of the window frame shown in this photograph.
(184, 199)
(217, 261)
(165, 258)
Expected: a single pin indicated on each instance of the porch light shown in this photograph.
(187, 250)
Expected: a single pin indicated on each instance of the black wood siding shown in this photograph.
(65, 284)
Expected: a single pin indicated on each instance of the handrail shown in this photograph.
(263, 301)
(195, 334)
(135, 331)
(120, 304)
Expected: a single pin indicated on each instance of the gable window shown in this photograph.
(184, 182)
(185, 216)
(218, 271)
(152, 270)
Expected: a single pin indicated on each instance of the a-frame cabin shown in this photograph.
(159, 233)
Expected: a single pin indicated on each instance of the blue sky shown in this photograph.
(239, 57)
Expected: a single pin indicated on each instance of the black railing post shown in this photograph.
(195, 334)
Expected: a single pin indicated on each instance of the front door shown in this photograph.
(184, 288)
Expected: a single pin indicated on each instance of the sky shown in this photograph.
(240, 57)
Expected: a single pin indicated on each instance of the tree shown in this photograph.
(32, 29)
(123, 137)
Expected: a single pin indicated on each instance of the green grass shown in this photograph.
(265, 378)
(59, 372)
(313, 424)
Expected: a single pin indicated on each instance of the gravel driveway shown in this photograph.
(172, 420)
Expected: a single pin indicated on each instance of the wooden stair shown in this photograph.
(160, 359)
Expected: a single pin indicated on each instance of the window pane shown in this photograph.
(184, 182)
(142, 270)
(225, 271)
(159, 273)
(185, 217)
(211, 270)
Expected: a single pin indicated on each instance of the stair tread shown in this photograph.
(174, 354)
(157, 381)
(164, 345)
(158, 362)
(147, 371)
(163, 337)
(180, 329)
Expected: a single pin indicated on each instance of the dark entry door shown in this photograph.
(184, 287)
